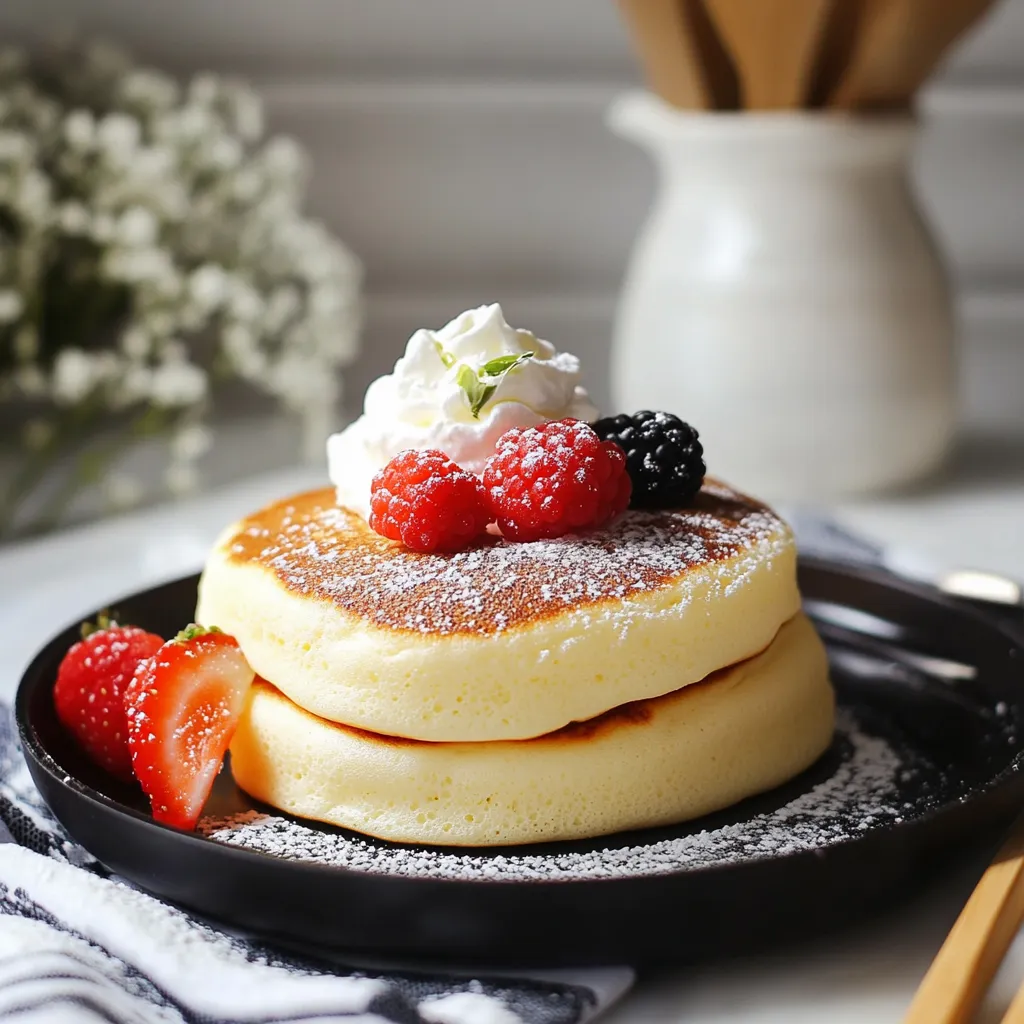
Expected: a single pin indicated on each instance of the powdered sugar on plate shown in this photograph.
(863, 793)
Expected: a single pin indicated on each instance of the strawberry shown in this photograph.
(89, 691)
(183, 705)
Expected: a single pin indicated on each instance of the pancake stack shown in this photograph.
(640, 674)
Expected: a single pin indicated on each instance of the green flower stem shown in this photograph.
(95, 461)
(67, 438)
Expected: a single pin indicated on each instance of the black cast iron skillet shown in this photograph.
(939, 682)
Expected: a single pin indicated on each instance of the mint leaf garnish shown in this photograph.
(500, 366)
(479, 386)
(446, 357)
(476, 391)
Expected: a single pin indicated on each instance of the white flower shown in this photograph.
(15, 147)
(248, 115)
(246, 185)
(225, 153)
(149, 89)
(136, 266)
(242, 348)
(11, 305)
(73, 376)
(152, 163)
(136, 385)
(33, 197)
(80, 129)
(73, 218)
(181, 478)
(118, 135)
(300, 381)
(245, 302)
(283, 158)
(122, 491)
(103, 228)
(190, 443)
(208, 286)
(175, 383)
(136, 343)
(137, 227)
(282, 306)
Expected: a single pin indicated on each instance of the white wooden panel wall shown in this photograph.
(459, 147)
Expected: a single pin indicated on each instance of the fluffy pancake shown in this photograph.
(668, 759)
(505, 641)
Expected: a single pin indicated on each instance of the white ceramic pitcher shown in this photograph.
(786, 298)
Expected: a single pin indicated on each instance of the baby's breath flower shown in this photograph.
(73, 376)
(32, 199)
(137, 227)
(135, 343)
(208, 286)
(138, 266)
(122, 491)
(150, 90)
(118, 135)
(73, 218)
(190, 443)
(80, 129)
(181, 478)
(175, 384)
(283, 158)
(11, 305)
(163, 207)
(15, 147)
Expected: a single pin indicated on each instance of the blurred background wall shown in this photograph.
(459, 147)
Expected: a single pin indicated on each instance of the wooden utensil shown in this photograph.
(898, 45)
(664, 40)
(835, 48)
(961, 971)
(773, 44)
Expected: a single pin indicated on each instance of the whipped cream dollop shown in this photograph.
(428, 400)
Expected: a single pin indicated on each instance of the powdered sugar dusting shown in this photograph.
(319, 549)
(863, 793)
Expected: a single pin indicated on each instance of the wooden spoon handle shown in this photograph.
(773, 45)
(977, 943)
(667, 51)
(900, 44)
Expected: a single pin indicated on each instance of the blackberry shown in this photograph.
(664, 458)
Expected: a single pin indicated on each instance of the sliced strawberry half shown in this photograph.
(183, 705)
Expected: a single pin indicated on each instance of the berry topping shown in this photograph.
(428, 502)
(550, 480)
(183, 705)
(663, 455)
(89, 692)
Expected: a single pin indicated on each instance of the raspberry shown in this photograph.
(664, 457)
(428, 502)
(550, 480)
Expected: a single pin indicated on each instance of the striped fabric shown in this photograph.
(77, 945)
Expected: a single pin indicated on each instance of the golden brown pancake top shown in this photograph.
(324, 552)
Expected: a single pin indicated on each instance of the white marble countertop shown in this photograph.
(973, 517)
